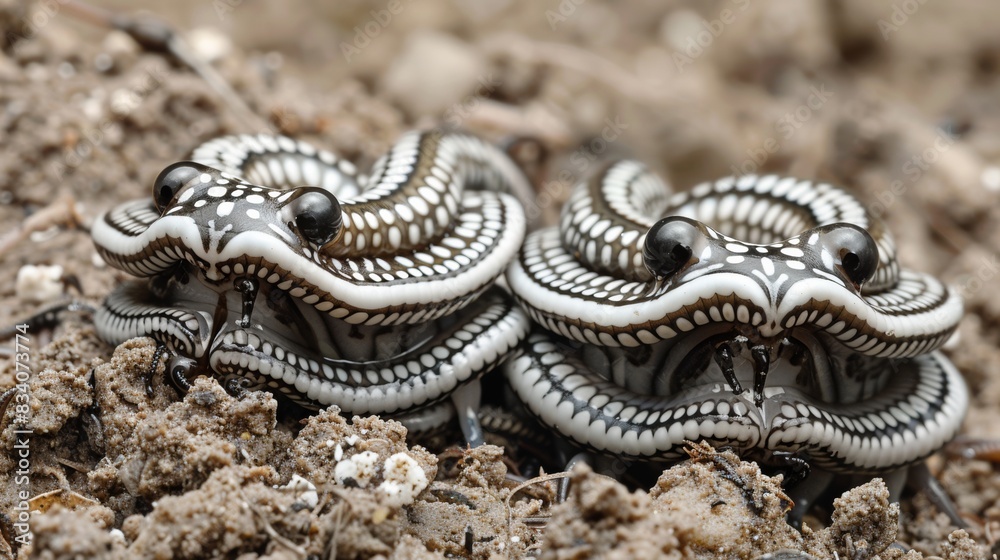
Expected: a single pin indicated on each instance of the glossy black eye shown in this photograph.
(171, 180)
(856, 250)
(669, 245)
(316, 215)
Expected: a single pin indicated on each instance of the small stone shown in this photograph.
(991, 178)
(210, 44)
(305, 491)
(39, 283)
(404, 479)
(360, 468)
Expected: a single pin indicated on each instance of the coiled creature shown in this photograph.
(372, 293)
(765, 314)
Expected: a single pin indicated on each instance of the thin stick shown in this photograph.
(523, 485)
(61, 212)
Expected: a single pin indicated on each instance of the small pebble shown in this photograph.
(66, 70)
(361, 468)
(991, 178)
(103, 62)
(39, 283)
(404, 479)
(305, 490)
(209, 44)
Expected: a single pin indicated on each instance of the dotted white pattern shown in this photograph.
(422, 238)
(622, 362)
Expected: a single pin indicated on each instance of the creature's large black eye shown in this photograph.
(856, 249)
(316, 215)
(171, 180)
(669, 245)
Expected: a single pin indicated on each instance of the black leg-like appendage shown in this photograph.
(237, 387)
(47, 318)
(762, 364)
(179, 369)
(248, 286)
(921, 479)
(794, 468)
(805, 493)
(5, 399)
(161, 350)
(466, 400)
(562, 492)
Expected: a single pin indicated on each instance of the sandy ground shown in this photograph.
(895, 100)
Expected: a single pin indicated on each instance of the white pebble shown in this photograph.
(118, 536)
(404, 479)
(990, 178)
(209, 43)
(361, 468)
(305, 491)
(39, 283)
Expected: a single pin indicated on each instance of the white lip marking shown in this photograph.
(278, 230)
(214, 237)
(768, 266)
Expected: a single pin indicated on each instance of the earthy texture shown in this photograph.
(895, 100)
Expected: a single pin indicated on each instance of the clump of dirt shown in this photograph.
(960, 546)
(328, 440)
(864, 524)
(711, 506)
(64, 533)
(716, 506)
(50, 455)
(727, 507)
(151, 452)
(213, 475)
(469, 512)
(603, 519)
(61, 385)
